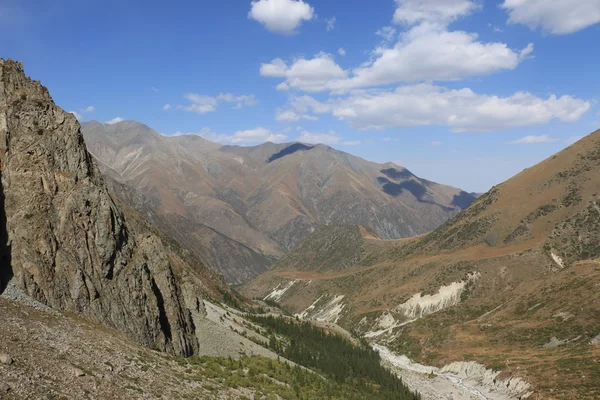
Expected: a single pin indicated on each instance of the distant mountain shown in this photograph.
(256, 203)
(511, 282)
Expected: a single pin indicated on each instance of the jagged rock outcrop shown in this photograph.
(67, 244)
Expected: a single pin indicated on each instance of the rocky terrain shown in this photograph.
(69, 245)
(510, 284)
(257, 203)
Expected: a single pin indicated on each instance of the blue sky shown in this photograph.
(462, 92)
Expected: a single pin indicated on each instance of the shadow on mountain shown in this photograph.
(6, 272)
(289, 150)
(463, 200)
(395, 174)
(395, 189)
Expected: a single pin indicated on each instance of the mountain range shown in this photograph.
(240, 208)
(511, 282)
(109, 261)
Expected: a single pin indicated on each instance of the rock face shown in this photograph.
(67, 244)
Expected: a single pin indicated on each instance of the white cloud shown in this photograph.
(330, 24)
(312, 75)
(439, 12)
(388, 33)
(281, 16)
(326, 138)
(389, 139)
(534, 139)
(166, 107)
(426, 51)
(155, 89)
(341, 51)
(77, 115)
(89, 109)
(440, 55)
(436, 143)
(114, 121)
(558, 17)
(203, 104)
(460, 109)
(257, 135)
(352, 143)
(526, 51)
(545, 139)
(291, 116)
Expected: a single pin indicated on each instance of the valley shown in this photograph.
(241, 208)
(188, 233)
(491, 286)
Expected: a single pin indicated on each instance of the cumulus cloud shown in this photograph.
(203, 104)
(89, 109)
(166, 107)
(311, 75)
(426, 51)
(341, 51)
(435, 55)
(114, 121)
(558, 17)
(460, 109)
(281, 16)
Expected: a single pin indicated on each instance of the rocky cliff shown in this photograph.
(67, 244)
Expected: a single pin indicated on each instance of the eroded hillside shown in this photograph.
(511, 282)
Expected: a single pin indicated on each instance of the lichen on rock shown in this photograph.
(67, 243)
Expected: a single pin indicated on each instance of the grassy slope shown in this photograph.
(508, 236)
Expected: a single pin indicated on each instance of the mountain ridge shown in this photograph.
(510, 282)
(271, 196)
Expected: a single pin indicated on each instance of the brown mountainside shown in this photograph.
(511, 282)
(267, 198)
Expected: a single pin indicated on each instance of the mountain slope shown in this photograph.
(69, 245)
(267, 197)
(511, 282)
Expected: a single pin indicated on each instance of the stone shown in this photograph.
(78, 372)
(6, 359)
(4, 388)
(73, 247)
